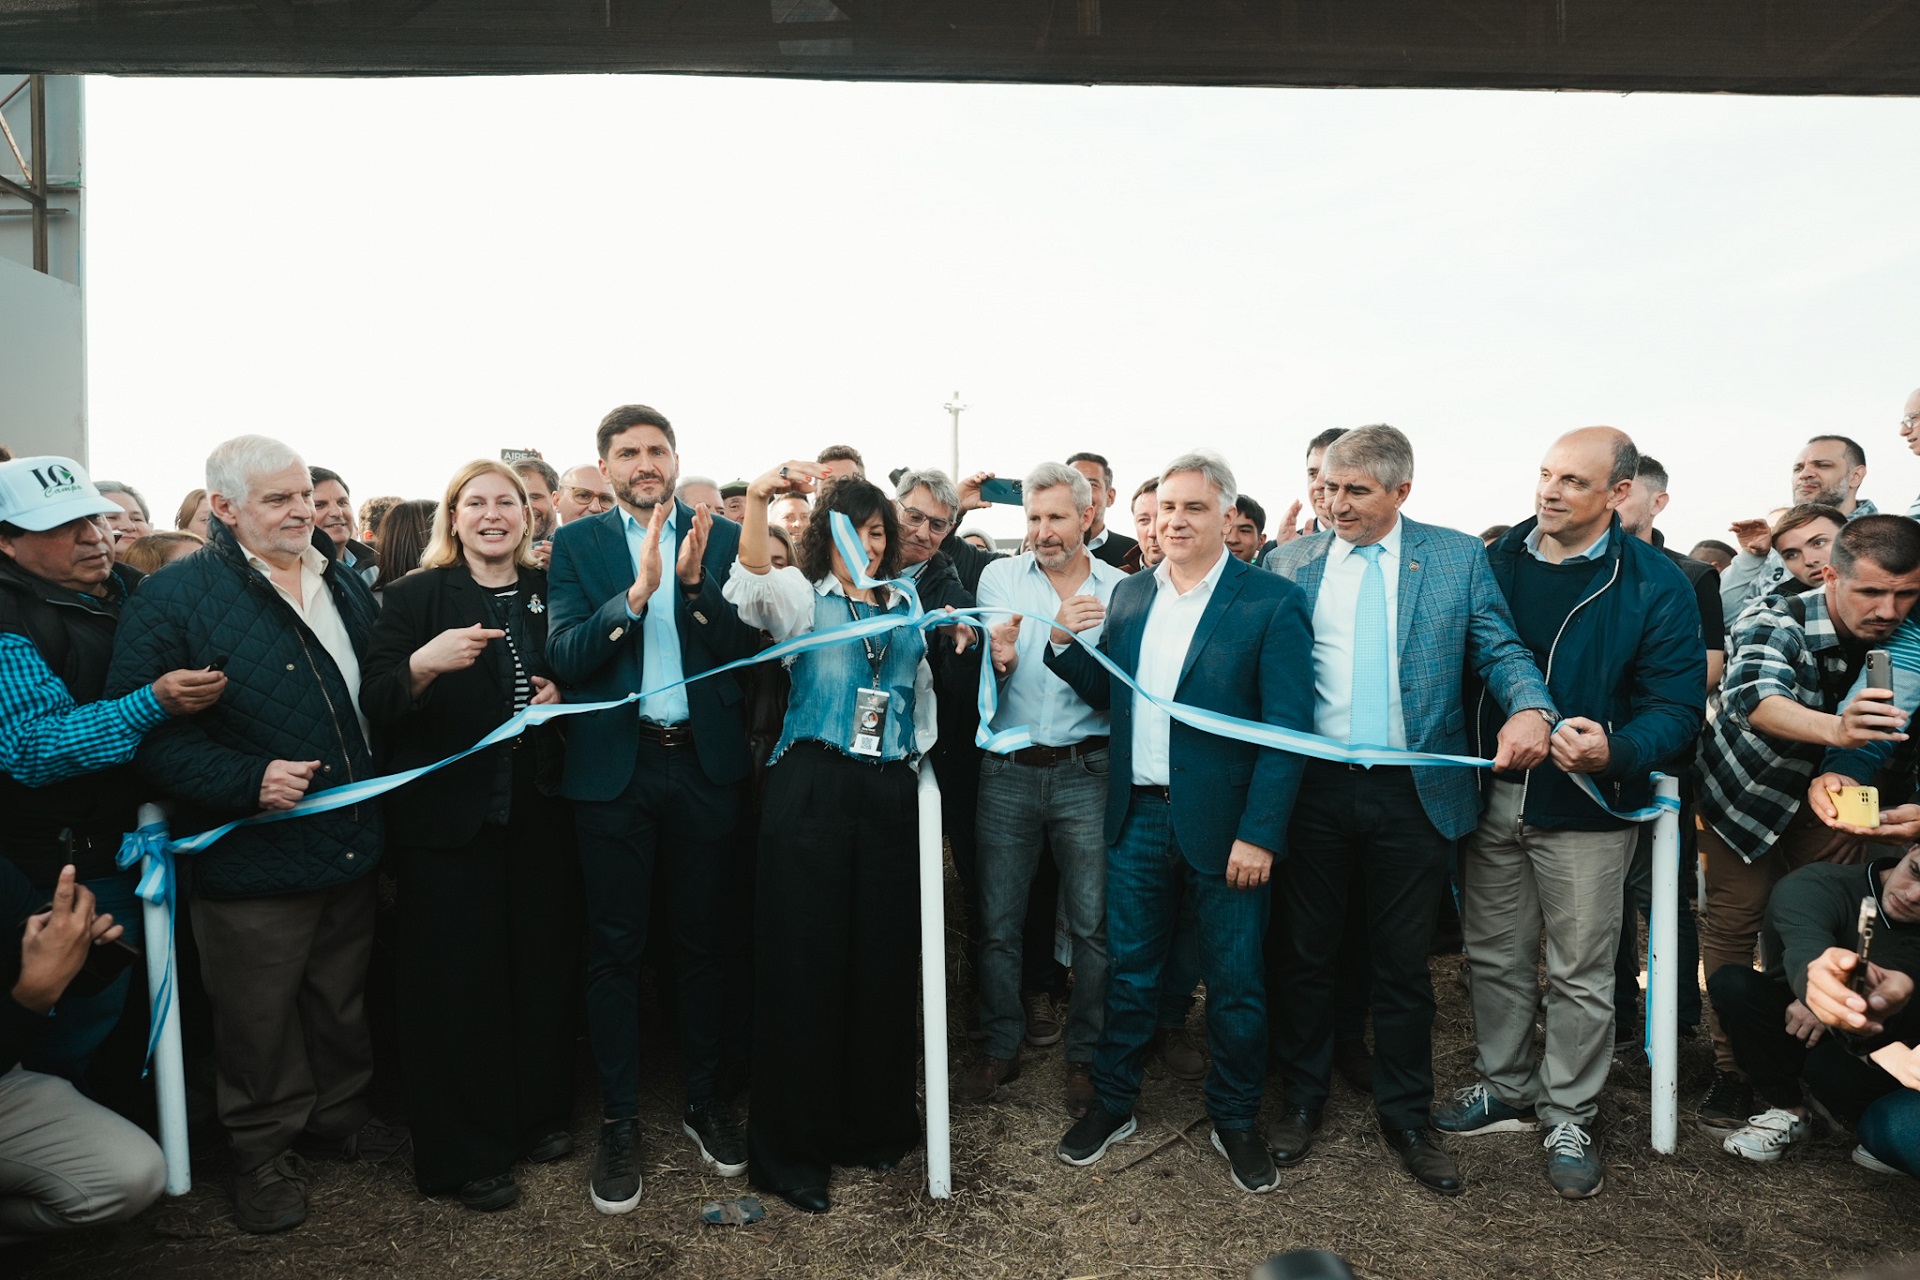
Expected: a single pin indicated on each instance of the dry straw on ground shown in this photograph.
(1159, 1207)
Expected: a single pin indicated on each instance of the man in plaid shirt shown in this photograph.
(1782, 706)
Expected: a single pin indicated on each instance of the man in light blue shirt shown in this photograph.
(1055, 788)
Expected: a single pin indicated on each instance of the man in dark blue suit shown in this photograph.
(1188, 812)
(659, 787)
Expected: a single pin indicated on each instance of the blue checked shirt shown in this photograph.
(45, 736)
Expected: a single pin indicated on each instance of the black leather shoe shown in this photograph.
(1291, 1136)
(808, 1199)
(1426, 1160)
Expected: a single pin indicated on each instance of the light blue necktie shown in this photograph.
(1368, 721)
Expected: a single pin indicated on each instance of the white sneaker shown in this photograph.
(1766, 1135)
(1867, 1160)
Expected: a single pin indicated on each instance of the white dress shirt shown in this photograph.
(1033, 696)
(316, 608)
(660, 662)
(1171, 621)
(1333, 637)
(780, 603)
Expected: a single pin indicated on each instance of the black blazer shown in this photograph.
(597, 652)
(444, 810)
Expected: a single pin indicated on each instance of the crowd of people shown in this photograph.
(752, 836)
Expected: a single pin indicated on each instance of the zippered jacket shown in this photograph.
(1629, 657)
(285, 700)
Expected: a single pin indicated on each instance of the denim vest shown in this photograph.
(824, 681)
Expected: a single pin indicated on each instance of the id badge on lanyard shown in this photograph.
(869, 721)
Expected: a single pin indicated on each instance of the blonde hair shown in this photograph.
(443, 546)
(158, 548)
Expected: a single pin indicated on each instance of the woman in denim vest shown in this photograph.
(836, 920)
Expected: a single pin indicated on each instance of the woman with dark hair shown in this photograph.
(490, 910)
(403, 540)
(836, 920)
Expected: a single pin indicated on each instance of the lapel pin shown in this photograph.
(534, 605)
(700, 617)
(1412, 565)
(616, 633)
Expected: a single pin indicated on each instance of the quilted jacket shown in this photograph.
(285, 700)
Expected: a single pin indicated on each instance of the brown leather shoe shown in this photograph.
(1180, 1053)
(272, 1197)
(1081, 1096)
(979, 1081)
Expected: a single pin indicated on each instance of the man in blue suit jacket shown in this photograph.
(1188, 812)
(1390, 677)
(660, 786)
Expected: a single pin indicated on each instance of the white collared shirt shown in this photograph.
(1033, 696)
(316, 608)
(1171, 621)
(1333, 636)
(780, 603)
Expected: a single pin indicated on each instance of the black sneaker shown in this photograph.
(717, 1137)
(554, 1146)
(1092, 1134)
(490, 1195)
(1248, 1159)
(616, 1174)
(1728, 1103)
(272, 1197)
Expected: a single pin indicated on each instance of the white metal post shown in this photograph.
(1663, 983)
(169, 1077)
(933, 985)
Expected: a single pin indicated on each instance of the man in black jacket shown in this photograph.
(283, 912)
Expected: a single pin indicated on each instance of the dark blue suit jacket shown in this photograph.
(596, 652)
(1252, 657)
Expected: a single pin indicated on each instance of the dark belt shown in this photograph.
(1163, 794)
(667, 735)
(1054, 755)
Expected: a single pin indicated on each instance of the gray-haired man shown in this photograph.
(1055, 789)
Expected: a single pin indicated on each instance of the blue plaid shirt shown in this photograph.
(45, 736)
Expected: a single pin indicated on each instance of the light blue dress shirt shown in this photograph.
(1593, 552)
(1033, 696)
(659, 631)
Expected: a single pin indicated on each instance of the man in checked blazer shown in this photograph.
(1389, 677)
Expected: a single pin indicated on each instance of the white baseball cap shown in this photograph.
(37, 494)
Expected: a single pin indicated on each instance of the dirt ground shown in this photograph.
(1160, 1205)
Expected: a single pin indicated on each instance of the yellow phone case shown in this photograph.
(1859, 806)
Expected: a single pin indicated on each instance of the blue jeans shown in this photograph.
(81, 1023)
(1890, 1130)
(1018, 802)
(1147, 880)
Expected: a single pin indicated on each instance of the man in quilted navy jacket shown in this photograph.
(284, 911)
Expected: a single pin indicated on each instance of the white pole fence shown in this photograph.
(1663, 983)
(169, 1077)
(933, 986)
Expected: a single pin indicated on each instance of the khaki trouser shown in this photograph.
(287, 977)
(1735, 905)
(1519, 881)
(67, 1163)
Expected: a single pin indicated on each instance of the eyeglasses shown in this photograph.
(915, 517)
(588, 498)
(1906, 423)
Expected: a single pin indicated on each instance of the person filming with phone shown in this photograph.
(1785, 702)
(1842, 946)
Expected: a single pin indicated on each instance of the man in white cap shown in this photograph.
(69, 793)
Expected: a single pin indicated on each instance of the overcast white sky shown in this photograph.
(395, 276)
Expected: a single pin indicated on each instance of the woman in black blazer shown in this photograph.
(490, 911)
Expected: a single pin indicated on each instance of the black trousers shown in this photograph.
(836, 948)
(1753, 1012)
(1352, 974)
(1370, 819)
(489, 949)
(669, 832)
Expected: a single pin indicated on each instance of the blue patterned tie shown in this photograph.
(1368, 722)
